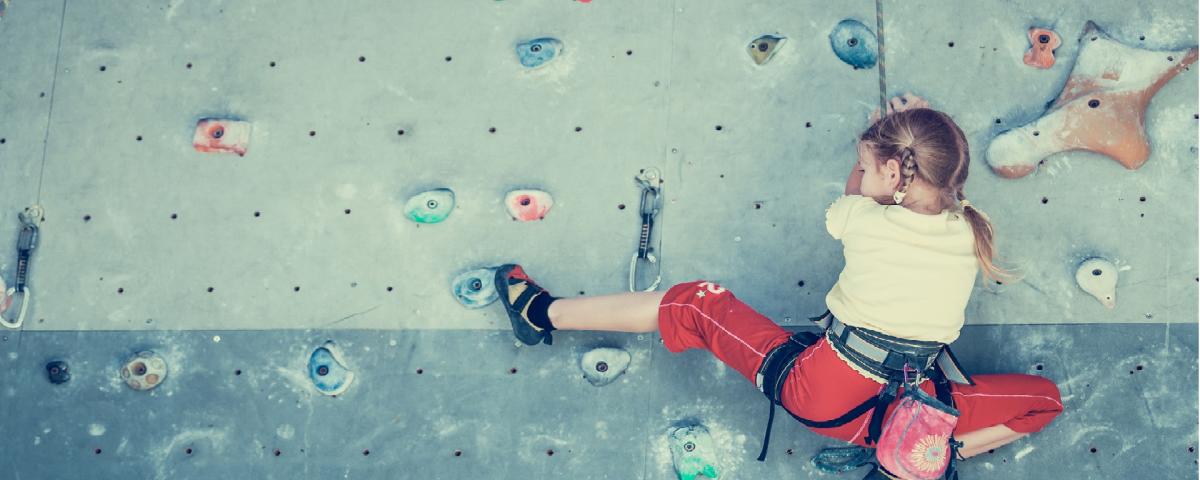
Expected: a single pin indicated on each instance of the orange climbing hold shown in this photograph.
(1101, 109)
(221, 135)
(528, 205)
(1043, 42)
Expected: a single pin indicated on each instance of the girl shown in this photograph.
(913, 247)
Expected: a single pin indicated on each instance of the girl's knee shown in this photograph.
(1047, 388)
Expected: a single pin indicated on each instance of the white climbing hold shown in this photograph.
(1098, 277)
(603, 365)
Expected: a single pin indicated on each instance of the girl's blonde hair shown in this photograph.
(930, 145)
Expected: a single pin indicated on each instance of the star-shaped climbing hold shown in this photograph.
(1101, 109)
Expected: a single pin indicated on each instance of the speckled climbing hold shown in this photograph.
(431, 206)
(1098, 277)
(221, 135)
(475, 288)
(145, 370)
(1102, 107)
(58, 372)
(763, 48)
(603, 365)
(326, 370)
(538, 52)
(1042, 43)
(692, 452)
(527, 205)
(854, 43)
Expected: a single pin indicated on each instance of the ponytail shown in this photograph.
(981, 226)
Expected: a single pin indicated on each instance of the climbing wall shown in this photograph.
(232, 185)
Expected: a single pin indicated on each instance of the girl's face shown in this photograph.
(878, 180)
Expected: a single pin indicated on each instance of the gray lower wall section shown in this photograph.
(396, 423)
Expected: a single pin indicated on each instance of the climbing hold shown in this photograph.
(1042, 42)
(603, 365)
(6, 298)
(476, 288)
(765, 47)
(526, 205)
(692, 452)
(1098, 277)
(538, 51)
(1102, 107)
(432, 206)
(326, 370)
(221, 135)
(854, 43)
(145, 370)
(57, 372)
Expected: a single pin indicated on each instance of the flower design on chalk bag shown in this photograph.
(929, 454)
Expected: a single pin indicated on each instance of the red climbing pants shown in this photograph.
(822, 386)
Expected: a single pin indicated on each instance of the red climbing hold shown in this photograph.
(1041, 51)
(221, 135)
(527, 205)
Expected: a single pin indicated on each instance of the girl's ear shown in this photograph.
(891, 172)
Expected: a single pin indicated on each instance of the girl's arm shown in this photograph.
(854, 183)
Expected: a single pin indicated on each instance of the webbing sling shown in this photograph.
(774, 370)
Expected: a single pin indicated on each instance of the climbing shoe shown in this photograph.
(526, 304)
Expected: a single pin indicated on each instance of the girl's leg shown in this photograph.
(1001, 409)
(622, 312)
(985, 439)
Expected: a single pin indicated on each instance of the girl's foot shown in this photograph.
(527, 304)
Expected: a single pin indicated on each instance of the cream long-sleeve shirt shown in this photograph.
(907, 274)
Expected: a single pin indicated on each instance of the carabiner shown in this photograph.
(26, 242)
(650, 181)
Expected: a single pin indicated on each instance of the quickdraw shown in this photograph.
(26, 242)
(650, 180)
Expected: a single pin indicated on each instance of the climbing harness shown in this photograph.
(30, 219)
(881, 355)
(650, 180)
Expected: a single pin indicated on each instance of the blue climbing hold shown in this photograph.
(538, 51)
(854, 43)
(327, 372)
(476, 288)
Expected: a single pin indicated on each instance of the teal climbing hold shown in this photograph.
(475, 288)
(854, 43)
(431, 206)
(326, 370)
(538, 51)
(692, 452)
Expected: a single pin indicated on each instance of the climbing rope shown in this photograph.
(882, 74)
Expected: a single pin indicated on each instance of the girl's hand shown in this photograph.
(900, 104)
